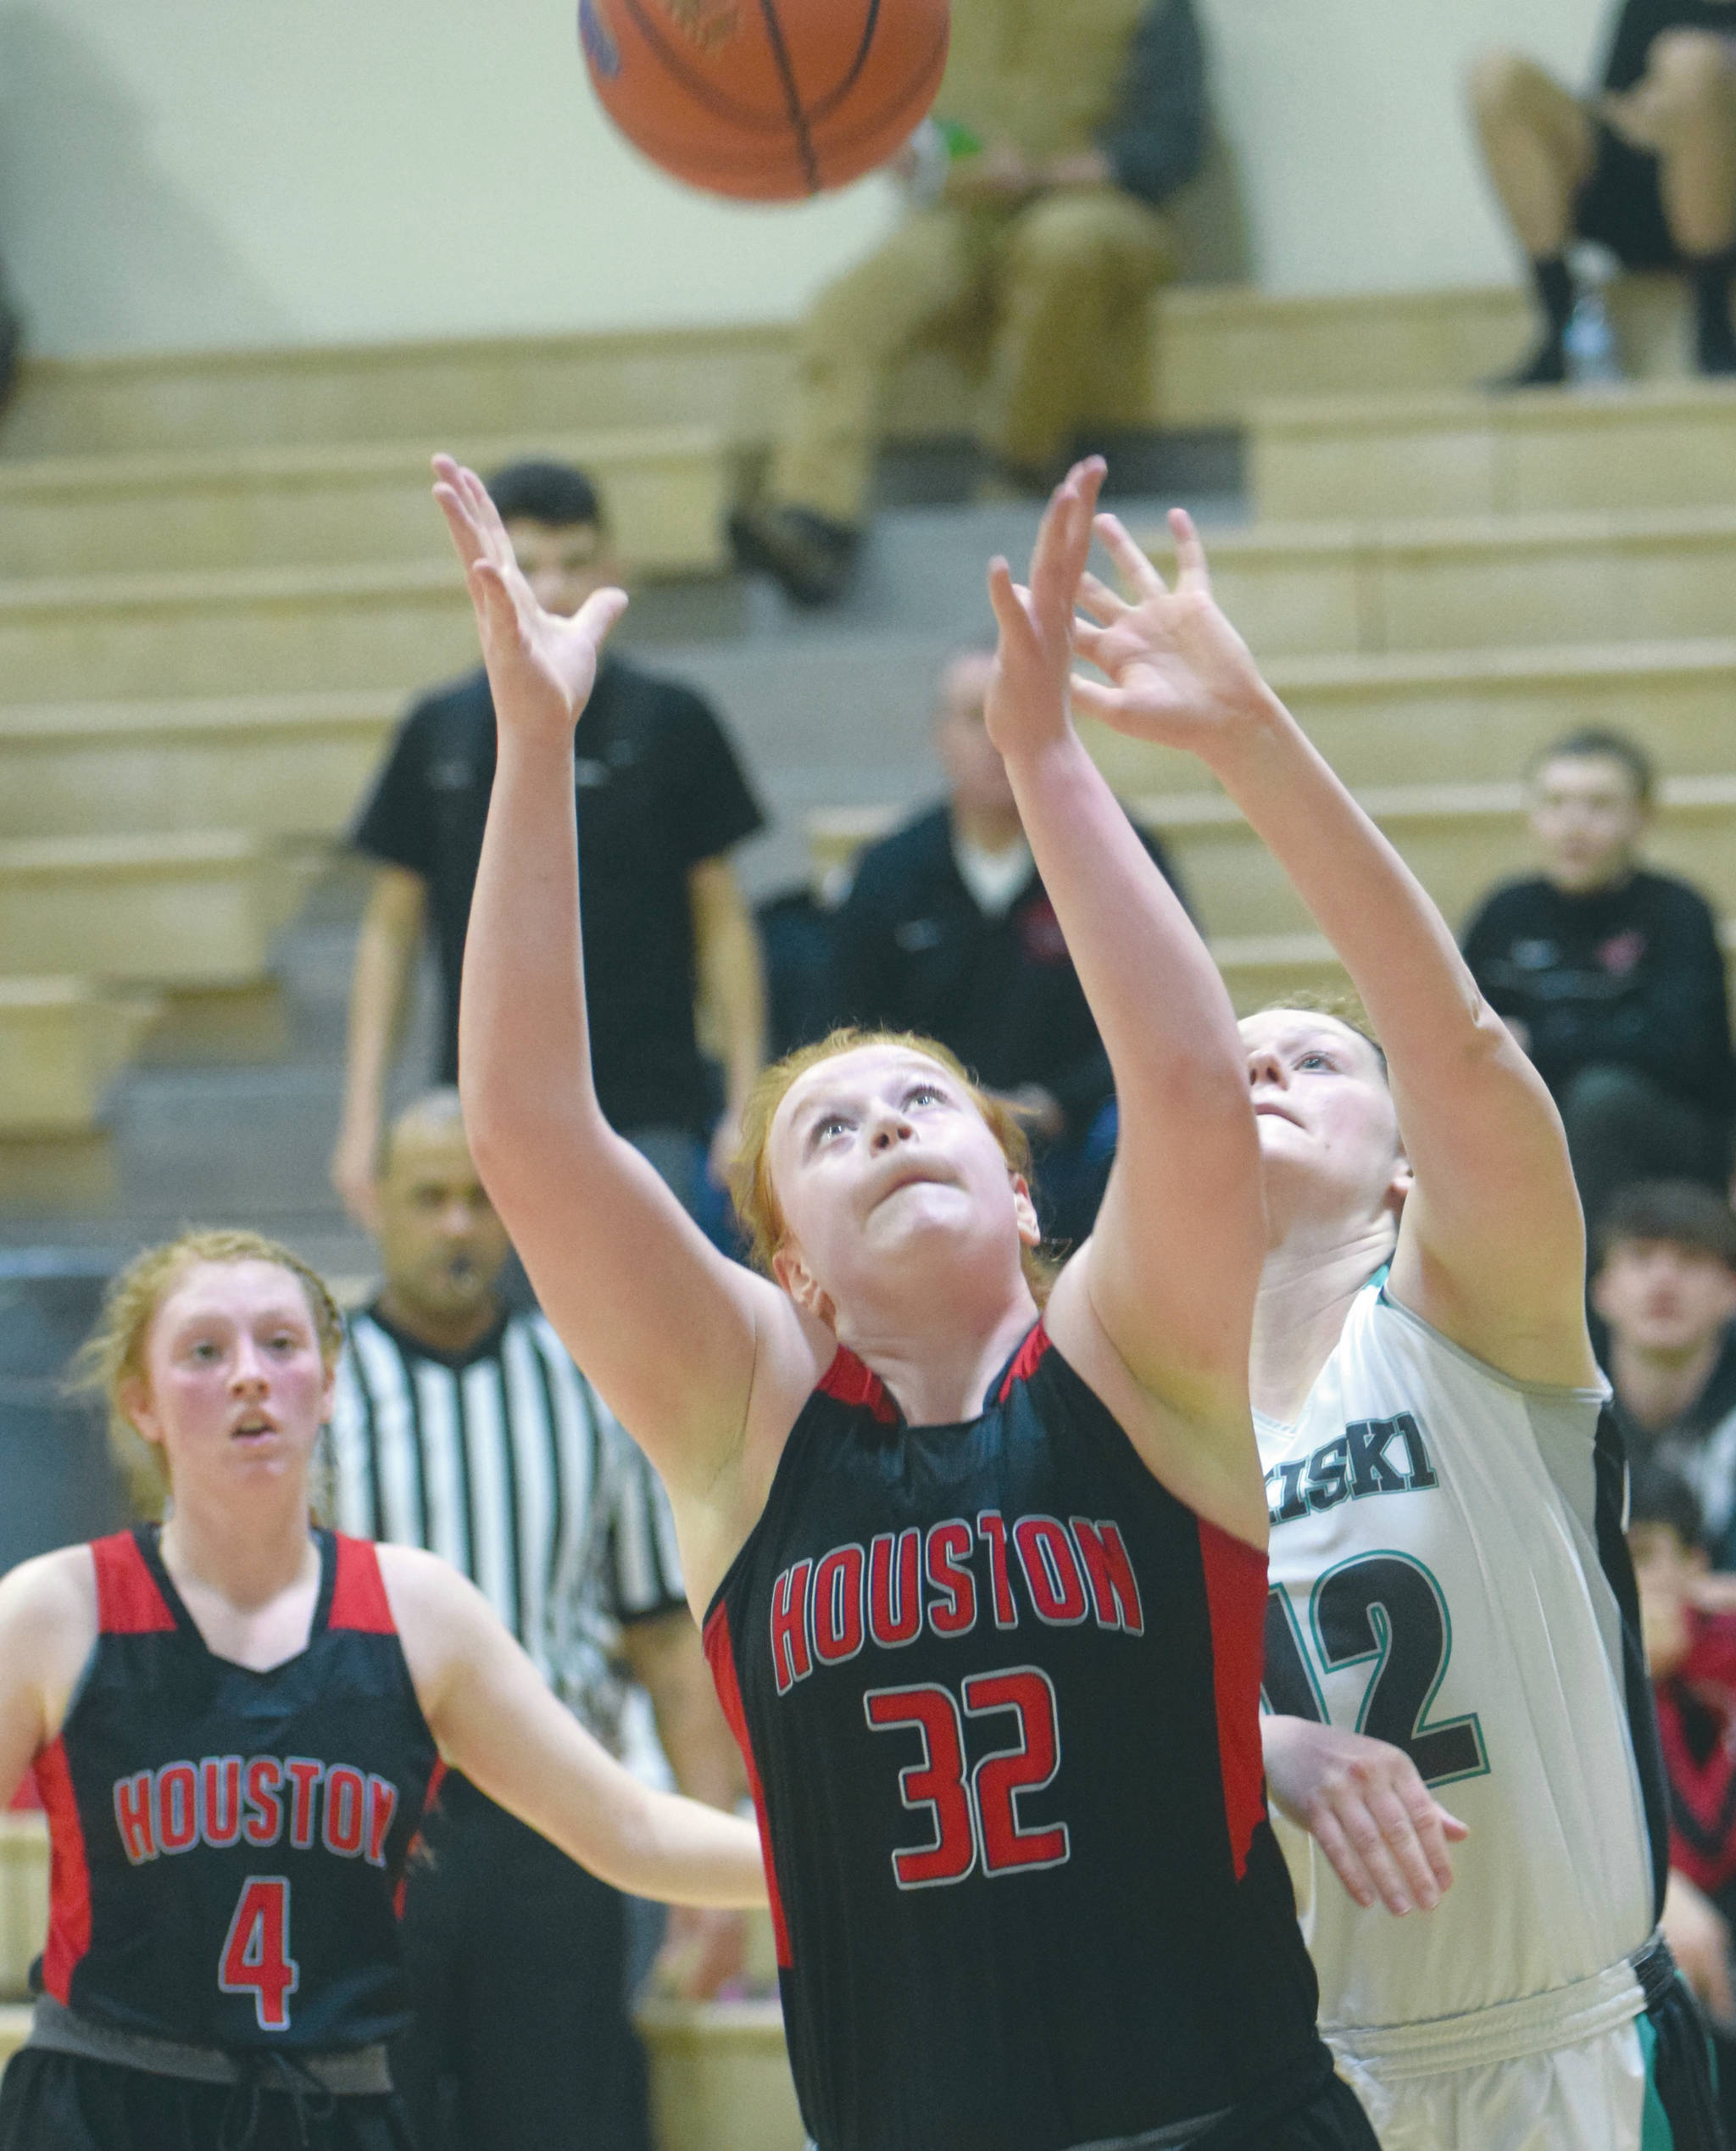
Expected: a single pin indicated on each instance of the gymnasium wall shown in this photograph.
(186, 174)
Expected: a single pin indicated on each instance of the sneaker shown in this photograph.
(809, 555)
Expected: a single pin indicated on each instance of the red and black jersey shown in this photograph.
(227, 1845)
(999, 1695)
(1696, 1707)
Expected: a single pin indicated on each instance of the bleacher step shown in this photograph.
(1653, 444)
(276, 765)
(1483, 582)
(666, 489)
(193, 909)
(61, 1043)
(719, 2076)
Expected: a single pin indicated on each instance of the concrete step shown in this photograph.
(61, 1043)
(110, 638)
(1650, 444)
(23, 1914)
(665, 490)
(719, 2076)
(1459, 839)
(1217, 349)
(193, 910)
(1440, 717)
(730, 379)
(276, 765)
(1478, 582)
(1223, 348)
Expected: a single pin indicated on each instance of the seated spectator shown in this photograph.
(1058, 133)
(1647, 167)
(459, 1427)
(1665, 1290)
(947, 931)
(662, 803)
(1612, 978)
(1691, 1654)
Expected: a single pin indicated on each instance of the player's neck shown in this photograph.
(245, 1556)
(1307, 1287)
(992, 829)
(1656, 1388)
(936, 1356)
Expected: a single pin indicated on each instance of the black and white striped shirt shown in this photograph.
(507, 1463)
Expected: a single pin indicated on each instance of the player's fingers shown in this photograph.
(1091, 699)
(1406, 1838)
(1142, 579)
(1089, 639)
(600, 611)
(1191, 573)
(1003, 597)
(1099, 600)
(1346, 1861)
(468, 545)
(1384, 1871)
(1455, 1831)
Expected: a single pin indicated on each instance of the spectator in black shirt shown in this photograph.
(947, 931)
(1648, 168)
(1613, 979)
(1665, 1290)
(661, 802)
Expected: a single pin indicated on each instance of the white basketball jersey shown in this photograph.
(1436, 1583)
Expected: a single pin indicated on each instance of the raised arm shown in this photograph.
(676, 1338)
(487, 1706)
(1166, 1282)
(1491, 1250)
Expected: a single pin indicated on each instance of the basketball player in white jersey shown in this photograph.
(1448, 1575)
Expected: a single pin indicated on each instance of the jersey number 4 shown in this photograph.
(1388, 1608)
(256, 1958)
(974, 1814)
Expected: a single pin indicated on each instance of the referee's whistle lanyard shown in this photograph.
(274, 2073)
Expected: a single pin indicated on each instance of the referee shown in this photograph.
(459, 1427)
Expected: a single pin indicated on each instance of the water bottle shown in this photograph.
(1589, 343)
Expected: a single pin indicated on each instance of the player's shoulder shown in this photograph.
(49, 1590)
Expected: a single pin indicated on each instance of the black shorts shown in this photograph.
(1622, 205)
(61, 2102)
(1330, 2118)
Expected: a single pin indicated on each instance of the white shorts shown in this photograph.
(1594, 2095)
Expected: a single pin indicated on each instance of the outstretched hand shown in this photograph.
(1364, 1803)
(1176, 670)
(1026, 703)
(542, 666)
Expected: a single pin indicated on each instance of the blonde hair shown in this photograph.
(114, 1354)
(756, 1202)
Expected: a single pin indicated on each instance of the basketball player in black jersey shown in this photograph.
(236, 1724)
(983, 1581)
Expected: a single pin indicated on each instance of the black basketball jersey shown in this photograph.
(227, 1845)
(998, 1693)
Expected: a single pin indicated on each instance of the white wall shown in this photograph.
(184, 174)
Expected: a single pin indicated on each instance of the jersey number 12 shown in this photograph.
(1388, 1608)
(256, 1958)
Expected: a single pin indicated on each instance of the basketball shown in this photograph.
(765, 100)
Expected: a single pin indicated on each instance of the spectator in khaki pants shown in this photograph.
(1058, 133)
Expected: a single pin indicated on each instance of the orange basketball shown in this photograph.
(767, 100)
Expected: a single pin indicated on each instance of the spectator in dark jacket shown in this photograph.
(1612, 978)
(947, 931)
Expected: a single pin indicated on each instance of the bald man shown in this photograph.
(462, 1427)
(947, 931)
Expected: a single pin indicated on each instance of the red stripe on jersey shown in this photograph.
(128, 1601)
(719, 1651)
(1235, 1599)
(69, 1875)
(1026, 1359)
(431, 1799)
(852, 1383)
(358, 1599)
